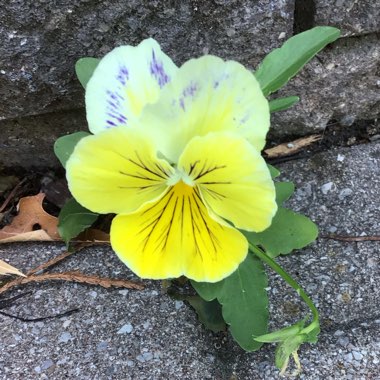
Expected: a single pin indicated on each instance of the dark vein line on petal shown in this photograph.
(199, 202)
(214, 194)
(192, 166)
(204, 171)
(216, 183)
(138, 176)
(168, 229)
(193, 226)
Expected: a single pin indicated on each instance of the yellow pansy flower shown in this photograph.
(175, 154)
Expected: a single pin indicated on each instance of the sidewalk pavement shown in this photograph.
(131, 334)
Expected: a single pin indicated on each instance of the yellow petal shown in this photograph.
(233, 178)
(207, 95)
(175, 236)
(116, 171)
(125, 80)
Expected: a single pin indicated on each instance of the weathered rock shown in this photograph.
(41, 40)
(342, 83)
(353, 17)
(28, 142)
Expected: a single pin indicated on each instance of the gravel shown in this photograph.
(130, 334)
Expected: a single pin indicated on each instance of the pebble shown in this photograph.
(17, 337)
(102, 346)
(343, 341)
(47, 364)
(64, 337)
(357, 355)
(345, 193)
(327, 187)
(348, 357)
(146, 325)
(145, 357)
(123, 292)
(338, 333)
(127, 328)
(178, 304)
(93, 294)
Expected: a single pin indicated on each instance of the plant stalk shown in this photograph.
(294, 284)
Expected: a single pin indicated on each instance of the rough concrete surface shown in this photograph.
(28, 142)
(121, 334)
(342, 84)
(40, 42)
(353, 17)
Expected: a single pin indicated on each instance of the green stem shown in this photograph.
(294, 284)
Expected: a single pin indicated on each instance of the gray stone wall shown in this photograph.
(40, 41)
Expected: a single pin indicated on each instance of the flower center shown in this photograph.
(180, 178)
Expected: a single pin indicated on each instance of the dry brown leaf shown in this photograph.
(30, 215)
(5, 268)
(287, 149)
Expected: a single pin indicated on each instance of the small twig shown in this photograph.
(22, 319)
(55, 260)
(350, 238)
(291, 148)
(74, 276)
(69, 276)
(48, 264)
(9, 301)
(51, 262)
(11, 195)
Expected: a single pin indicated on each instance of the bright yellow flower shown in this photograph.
(175, 154)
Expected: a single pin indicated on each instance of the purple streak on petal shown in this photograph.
(182, 104)
(218, 81)
(115, 110)
(113, 105)
(157, 71)
(244, 119)
(119, 117)
(123, 75)
(188, 92)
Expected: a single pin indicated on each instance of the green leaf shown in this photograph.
(73, 219)
(282, 334)
(84, 69)
(284, 191)
(64, 146)
(207, 290)
(282, 64)
(286, 348)
(209, 313)
(312, 337)
(287, 232)
(282, 104)
(244, 301)
(274, 172)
